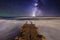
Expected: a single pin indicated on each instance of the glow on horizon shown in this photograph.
(34, 11)
(33, 14)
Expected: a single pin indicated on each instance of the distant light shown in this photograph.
(33, 14)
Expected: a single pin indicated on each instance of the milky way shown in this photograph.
(36, 11)
(24, 7)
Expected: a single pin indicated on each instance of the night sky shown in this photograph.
(25, 7)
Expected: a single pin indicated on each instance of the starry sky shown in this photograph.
(25, 7)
